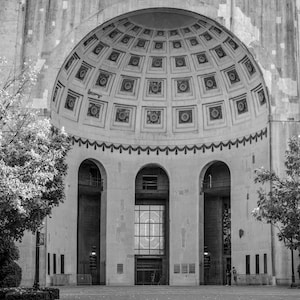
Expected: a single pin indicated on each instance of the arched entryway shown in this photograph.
(151, 226)
(217, 223)
(90, 225)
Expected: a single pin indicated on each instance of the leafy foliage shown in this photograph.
(32, 160)
(10, 274)
(281, 205)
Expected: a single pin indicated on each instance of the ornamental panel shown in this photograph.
(123, 117)
(114, 58)
(83, 74)
(155, 89)
(180, 64)
(240, 109)
(209, 85)
(233, 79)
(97, 51)
(214, 115)
(203, 62)
(95, 113)
(90, 40)
(141, 45)
(260, 99)
(134, 63)
(89, 43)
(128, 87)
(114, 34)
(71, 63)
(220, 55)
(183, 88)
(154, 119)
(57, 94)
(157, 64)
(185, 118)
(71, 105)
(159, 47)
(103, 83)
(248, 69)
(126, 41)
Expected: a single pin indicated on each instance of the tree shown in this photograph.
(32, 159)
(281, 205)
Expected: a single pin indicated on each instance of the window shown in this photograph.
(48, 266)
(184, 268)
(192, 268)
(247, 264)
(257, 263)
(62, 264)
(265, 264)
(119, 268)
(54, 263)
(150, 182)
(176, 268)
(149, 234)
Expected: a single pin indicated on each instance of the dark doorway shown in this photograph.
(88, 232)
(151, 227)
(149, 271)
(217, 224)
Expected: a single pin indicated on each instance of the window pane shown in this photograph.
(162, 216)
(144, 207)
(136, 216)
(136, 229)
(162, 243)
(154, 243)
(154, 216)
(144, 243)
(154, 230)
(144, 230)
(144, 217)
(161, 229)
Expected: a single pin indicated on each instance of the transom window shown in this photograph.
(149, 231)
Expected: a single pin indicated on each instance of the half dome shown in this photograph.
(160, 77)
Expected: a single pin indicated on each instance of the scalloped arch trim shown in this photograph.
(169, 149)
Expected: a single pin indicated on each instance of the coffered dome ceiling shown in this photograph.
(160, 77)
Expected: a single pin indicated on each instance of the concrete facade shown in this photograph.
(50, 32)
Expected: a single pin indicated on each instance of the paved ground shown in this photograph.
(179, 293)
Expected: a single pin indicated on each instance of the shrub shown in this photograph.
(10, 274)
(28, 295)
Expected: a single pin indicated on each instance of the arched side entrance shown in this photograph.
(217, 224)
(151, 226)
(90, 245)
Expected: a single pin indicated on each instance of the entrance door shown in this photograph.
(148, 271)
(217, 223)
(151, 227)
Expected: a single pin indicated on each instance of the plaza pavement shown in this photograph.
(179, 293)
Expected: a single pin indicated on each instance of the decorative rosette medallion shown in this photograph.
(154, 117)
